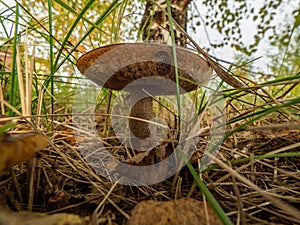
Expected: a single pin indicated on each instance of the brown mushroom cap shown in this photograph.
(117, 66)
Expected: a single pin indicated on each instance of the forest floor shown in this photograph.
(60, 187)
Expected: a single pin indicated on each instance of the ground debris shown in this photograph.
(30, 218)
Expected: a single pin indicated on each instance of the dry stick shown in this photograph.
(288, 91)
(94, 175)
(47, 178)
(204, 203)
(258, 86)
(282, 171)
(268, 165)
(249, 208)
(296, 145)
(17, 185)
(257, 128)
(29, 79)
(271, 211)
(240, 205)
(18, 113)
(14, 202)
(216, 66)
(27, 111)
(106, 120)
(290, 210)
(96, 214)
(252, 161)
(11, 107)
(273, 127)
(21, 82)
(39, 23)
(40, 101)
(178, 188)
(275, 173)
(225, 75)
(31, 183)
(109, 200)
(277, 102)
(71, 206)
(260, 162)
(38, 179)
(1, 101)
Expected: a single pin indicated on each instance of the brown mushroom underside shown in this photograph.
(116, 66)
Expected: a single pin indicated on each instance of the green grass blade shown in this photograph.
(259, 114)
(70, 9)
(14, 81)
(65, 41)
(175, 61)
(213, 202)
(51, 56)
(112, 6)
(4, 128)
(219, 211)
(256, 157)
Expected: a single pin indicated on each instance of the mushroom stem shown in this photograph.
(141, 110)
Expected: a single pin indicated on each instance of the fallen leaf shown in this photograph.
(68, 136)
(81, 49)
(142, 159)
(18, 148)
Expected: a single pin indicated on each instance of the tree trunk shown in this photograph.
(155, 22)
(155, 27)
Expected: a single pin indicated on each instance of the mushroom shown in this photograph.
(143, 69)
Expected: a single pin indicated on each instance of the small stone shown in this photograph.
(175, 212)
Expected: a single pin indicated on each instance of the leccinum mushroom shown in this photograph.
(122, 67)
